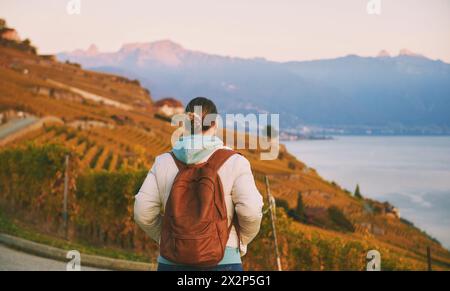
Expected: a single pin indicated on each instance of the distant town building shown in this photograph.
(7, 115)
(9, 34)
(169, 107)
(391, 211)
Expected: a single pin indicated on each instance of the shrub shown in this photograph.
(105, 202)
(291, 165)
(298, 213)
(31, 181)
(94, 160)
(339, 220)
(282, 203)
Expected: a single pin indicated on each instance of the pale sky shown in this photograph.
(279, 30)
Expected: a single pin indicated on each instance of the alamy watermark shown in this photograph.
(75, 261)
(374, 7)
(73, 7)
(373, 258)
(251, 131)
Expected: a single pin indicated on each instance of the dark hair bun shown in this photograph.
(207, 108)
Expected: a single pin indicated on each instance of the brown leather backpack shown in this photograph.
(195, 226)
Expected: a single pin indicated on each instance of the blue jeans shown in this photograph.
(225, 267)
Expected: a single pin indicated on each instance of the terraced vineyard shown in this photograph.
(103, 149)
(125, 147)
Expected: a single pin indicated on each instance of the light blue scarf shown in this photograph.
(192, 149)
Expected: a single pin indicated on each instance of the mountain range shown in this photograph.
(405, 90)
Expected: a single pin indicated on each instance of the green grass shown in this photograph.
(16, 228)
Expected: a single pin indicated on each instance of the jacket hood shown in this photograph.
(194, 148)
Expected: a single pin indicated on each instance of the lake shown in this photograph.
(413, 173)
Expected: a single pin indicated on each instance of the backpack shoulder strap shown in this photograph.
(219, 157)
(180, 164)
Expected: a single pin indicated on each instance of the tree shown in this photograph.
(27, 42)
(270, 132)
(300, 207)
(299, 212)
(357, 192)
(2, 24)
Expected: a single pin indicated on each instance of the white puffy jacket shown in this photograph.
(239, 189)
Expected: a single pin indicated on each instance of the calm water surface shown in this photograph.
(412, 173)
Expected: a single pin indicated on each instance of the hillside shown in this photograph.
(108, 123)
(407, 90)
